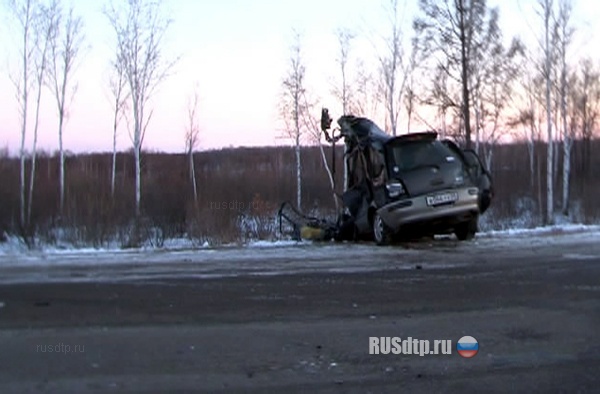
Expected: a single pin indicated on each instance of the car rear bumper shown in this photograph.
(416, 210)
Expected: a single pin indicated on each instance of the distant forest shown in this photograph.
(240, 190)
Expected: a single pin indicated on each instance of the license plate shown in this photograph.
(443, 198)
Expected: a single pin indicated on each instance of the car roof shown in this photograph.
(412, 137)
(362, 129)
(368, 133)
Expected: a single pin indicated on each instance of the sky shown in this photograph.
(235, 54)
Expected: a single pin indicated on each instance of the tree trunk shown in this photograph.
(556, 145)
(549, 159)
(489, 152)
(32, 178)
(566, 139)
(298, 174)
(330, 176)
(34, 149)
(193, 174)
(566, 176)
(23, 95)
(138, 116)
(477, 123)
(297, 137)
(114, 160)
(531, 149)
(345, 109)
(22, 181)
(465, 76)
(345, 186)
(138, 179)
(23, 134)
(392, 114)
(61, 165)
(539, 186)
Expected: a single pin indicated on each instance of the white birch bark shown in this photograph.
(550, 146)
(47, 26)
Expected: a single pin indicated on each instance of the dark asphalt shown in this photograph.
(534, 308)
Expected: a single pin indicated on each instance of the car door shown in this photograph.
(479, 174)
(377, 175)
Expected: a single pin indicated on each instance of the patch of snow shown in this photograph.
(257, 227)
(277, 244)
(12, 245)
(279, 258)
(269, 257)
(66, 251)
(517, 212)
(177, 244)
(566, 228)
(15, 246)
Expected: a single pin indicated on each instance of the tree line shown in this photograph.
(51, 43)
(243, 189)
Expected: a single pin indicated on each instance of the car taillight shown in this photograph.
(460, 177)
(459, 180)
(395, 189)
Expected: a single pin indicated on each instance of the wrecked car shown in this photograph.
(409, 185)
(399, 187)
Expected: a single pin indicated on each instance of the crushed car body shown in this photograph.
(406, 186)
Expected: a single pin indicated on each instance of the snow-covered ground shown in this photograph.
(179, 260)
(567, 228)
(15, 248)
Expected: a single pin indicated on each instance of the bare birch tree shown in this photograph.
(565, 33)
(393, 68)
(120, 96)
(192, 136)
(139, 29)
(45, 28)
(343, 92)
(24, 12)
(65, 48)
(315, 134)
(452, 34)
(546, 10)
(587, 104)
(293, 108)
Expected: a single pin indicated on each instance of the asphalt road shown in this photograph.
(299, 319)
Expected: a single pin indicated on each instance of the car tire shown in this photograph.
(382, 234)
(466, 231)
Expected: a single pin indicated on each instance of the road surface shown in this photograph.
(300, 318)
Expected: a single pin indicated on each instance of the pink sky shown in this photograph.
(236, 52)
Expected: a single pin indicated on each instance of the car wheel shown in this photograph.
(466, 230)
(381, 232)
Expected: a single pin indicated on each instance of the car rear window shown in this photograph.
(411, 155)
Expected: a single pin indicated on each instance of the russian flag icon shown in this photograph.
(467, 346)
